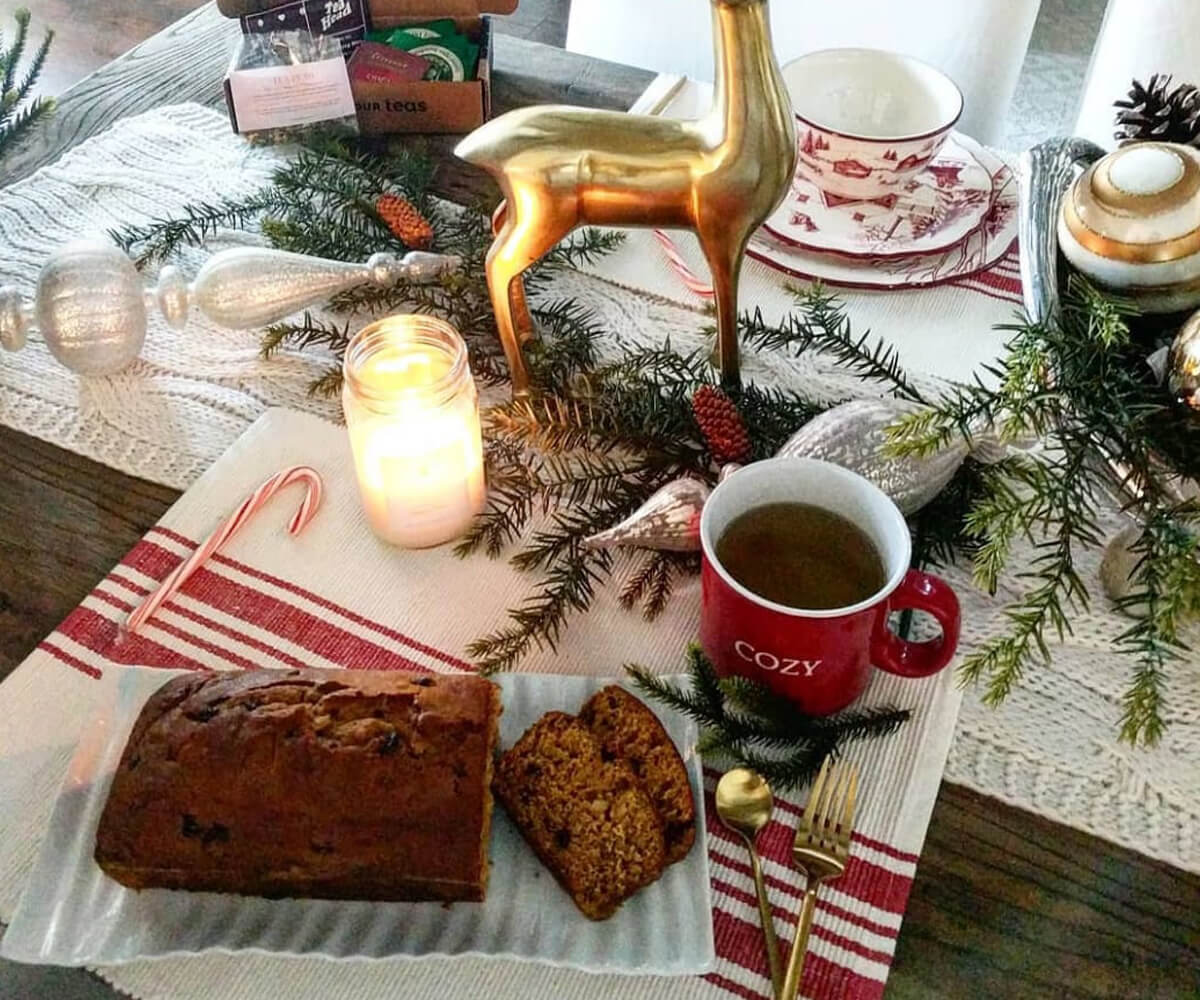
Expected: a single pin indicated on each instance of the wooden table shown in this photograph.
(1005, 904)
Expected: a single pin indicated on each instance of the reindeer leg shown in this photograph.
(519, 306)
(500, 276)
(516, 248)
(724, 251)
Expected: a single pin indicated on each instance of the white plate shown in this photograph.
(990, 241)
(937, 208)
(71, 913)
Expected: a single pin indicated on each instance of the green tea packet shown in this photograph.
(443, 27)
(452, 57)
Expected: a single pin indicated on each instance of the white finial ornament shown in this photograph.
(91, 308)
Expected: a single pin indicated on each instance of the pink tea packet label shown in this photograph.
(284, 96)
(378, 63)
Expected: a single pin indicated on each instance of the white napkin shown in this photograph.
(1138, 38)
(980, 45)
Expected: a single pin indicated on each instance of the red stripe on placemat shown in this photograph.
(991, 293)
(737, 989)
(863, 880)
(885, 848)
(323, 602)
(819, 930)
(869, 883)
(796, 892)
(173, 630)
(999, 281)
(99, 634)
(211, 624)
(71, 661)
(285, 620)
(740, 942)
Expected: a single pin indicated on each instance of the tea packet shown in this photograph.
(282, 85)
(451, 57)
(345, 20)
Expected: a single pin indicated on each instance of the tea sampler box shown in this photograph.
(383, 106)
(432, 105)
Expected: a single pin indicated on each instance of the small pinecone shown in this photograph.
(1152, 112)
(408, 225)
(721, 425)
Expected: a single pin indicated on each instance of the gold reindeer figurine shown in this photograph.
(720, 176)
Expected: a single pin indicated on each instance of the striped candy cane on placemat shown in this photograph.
(250, 506)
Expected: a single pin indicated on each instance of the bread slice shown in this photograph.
(588, 818)
(628, 730)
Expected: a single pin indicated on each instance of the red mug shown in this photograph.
(820, 660)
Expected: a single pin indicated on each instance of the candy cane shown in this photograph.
(251, 506)
(695, 284)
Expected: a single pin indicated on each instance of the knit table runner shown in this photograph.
(1050, 749)
(337, 597)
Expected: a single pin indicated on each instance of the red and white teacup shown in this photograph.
(868, 120)
(821, 660)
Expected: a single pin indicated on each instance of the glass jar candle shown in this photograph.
(413, 415)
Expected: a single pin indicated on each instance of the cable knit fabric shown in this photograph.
(1051, 748)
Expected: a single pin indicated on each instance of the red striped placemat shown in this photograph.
(337, 597)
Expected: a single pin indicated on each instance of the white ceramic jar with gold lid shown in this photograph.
(1131, 223)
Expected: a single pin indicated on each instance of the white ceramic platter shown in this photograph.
(72, 914)
(937, 208)
(982, 248)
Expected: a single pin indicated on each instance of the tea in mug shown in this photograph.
(802, 556)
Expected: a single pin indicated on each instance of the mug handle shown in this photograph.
(920, 592)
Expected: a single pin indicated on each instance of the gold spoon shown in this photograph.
(744, 804)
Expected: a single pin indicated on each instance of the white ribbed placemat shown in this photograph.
(336, 596)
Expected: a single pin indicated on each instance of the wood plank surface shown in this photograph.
(1005, 904)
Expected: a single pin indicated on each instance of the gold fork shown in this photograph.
(820, 850)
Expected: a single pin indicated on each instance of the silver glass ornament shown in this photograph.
(1183, 363)
(91, 308)
(669, 520)
(249, 287)
(16, 317)
(1119, 569)
(852, 435)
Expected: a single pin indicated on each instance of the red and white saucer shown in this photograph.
(967, 237)
(936, 208)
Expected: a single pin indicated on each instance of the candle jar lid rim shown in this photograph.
(418, 330)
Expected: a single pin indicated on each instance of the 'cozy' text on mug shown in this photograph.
(786, 666)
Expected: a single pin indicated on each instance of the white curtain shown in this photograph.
(1139, 38)
(980, 44)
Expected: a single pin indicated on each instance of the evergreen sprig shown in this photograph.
(820, 324)
(746, 723)
(19, 115)
(1080, 384)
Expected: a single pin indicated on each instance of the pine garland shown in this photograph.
(746, 723)
(19, 115)
(1082, 385)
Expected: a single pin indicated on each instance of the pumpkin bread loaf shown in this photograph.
(328, 783)
(627, 729)
(587, 817)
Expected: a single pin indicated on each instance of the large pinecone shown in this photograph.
(1154, 112)
(407, 224)
(721, 425)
